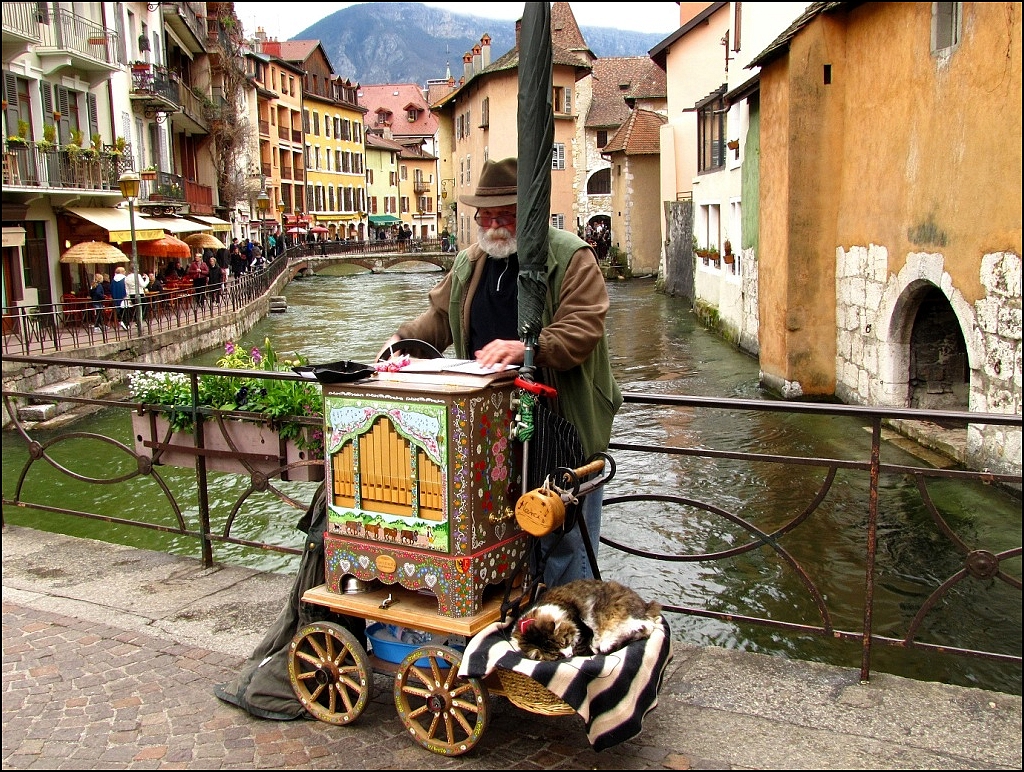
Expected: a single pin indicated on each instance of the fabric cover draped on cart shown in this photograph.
(263, 687)
(611, 693)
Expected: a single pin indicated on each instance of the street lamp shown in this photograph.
(130, 184)
(263, 206)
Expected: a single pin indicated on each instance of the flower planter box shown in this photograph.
(257, 445)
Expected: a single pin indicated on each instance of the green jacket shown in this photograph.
(572, 345)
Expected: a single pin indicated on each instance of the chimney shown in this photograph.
(467, 65)
(519, 30)
(476, 58)
(485, 50)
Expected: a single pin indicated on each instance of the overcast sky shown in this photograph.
(285, 20)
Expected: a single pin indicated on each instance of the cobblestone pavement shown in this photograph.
(110, 655)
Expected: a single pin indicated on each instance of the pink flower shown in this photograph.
(229, 347)
(257, 357)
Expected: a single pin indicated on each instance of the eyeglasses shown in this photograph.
(495, 220)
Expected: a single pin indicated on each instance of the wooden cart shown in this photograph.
(422, 493)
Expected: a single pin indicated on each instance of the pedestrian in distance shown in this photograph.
(475, 308)
(97, 299)
(119, 294)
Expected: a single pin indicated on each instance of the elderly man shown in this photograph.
(475, 308)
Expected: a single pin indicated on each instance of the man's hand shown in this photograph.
(501, 352)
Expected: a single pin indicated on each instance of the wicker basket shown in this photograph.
(523, 692)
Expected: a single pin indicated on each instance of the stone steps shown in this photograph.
(90, 386)
(278, 304)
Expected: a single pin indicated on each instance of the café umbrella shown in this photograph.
(93, 252)
(203, 241)
(167, 247)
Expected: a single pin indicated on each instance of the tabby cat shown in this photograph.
(583, 618)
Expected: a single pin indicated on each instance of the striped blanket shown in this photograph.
(611, 692)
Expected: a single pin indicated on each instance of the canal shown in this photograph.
(658, 347)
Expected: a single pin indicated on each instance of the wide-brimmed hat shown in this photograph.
(497, 186)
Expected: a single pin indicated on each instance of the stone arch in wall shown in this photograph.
(926, 357)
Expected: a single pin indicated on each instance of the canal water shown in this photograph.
(657, 346)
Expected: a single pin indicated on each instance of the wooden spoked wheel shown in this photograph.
(330, 672)
(445, 713)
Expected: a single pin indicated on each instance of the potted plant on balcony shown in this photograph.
(21, 138)
(49, 140)
(149, 173)
(263, 441)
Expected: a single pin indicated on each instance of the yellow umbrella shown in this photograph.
(92, 252)
(204, 241)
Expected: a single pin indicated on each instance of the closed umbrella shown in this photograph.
(93, 252)
(167, 247)
(204, 241)
(536, 126)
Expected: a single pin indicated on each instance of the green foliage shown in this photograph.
(275, 400)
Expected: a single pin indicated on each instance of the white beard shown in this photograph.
(497, 242)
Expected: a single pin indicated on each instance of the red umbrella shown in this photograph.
(296, 230)
(318, 229)
(168, 246)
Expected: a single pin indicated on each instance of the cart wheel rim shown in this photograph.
(444, 712)
(330, 672)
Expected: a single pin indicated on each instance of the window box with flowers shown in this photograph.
(258, 436)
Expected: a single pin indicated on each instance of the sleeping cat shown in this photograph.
(582, 618)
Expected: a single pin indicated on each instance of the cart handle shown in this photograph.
(535, 388)
(571, 478)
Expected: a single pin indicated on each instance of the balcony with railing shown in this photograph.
(155, 87)
(43, 165)
(20, 23)
(69, 38)
(183, 19)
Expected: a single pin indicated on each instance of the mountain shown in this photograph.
(413, 43)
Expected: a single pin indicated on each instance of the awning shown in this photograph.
(215, 223)
(384, 219)
(117, 223)
(177, 224)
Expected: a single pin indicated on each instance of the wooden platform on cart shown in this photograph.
(408, 608)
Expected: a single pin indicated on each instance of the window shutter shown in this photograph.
(63, 106)
(11, 97)
(568, 100)
(46, 94)
(94, 121)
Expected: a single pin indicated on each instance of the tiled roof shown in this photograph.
(617, 79)
(396, 98)
(780, 45)
(376, 140)
(639, 135)
(565, 32)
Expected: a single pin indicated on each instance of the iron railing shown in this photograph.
(76, 323)
(986, 568)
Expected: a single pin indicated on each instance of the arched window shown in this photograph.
(600, 183)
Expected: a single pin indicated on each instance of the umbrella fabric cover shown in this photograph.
(168, 246)
(204, 241)
(318, 229)
(296, 230)
(536, 137)
(91, 252)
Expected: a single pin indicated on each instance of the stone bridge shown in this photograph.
(375, 262)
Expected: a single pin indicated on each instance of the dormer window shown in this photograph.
(412, 114)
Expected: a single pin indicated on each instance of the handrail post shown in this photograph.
(872, 547)
(203, 493)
